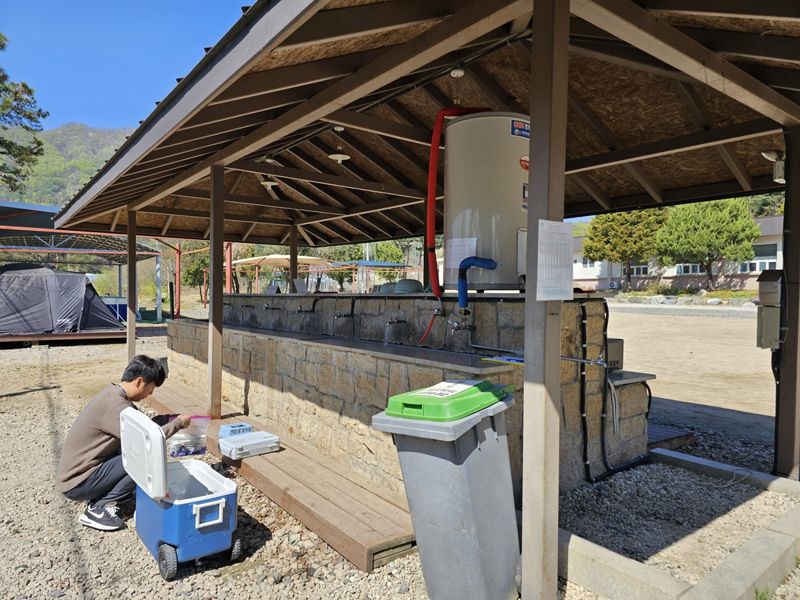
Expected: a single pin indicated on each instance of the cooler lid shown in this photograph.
(144, 453)
(446, 401)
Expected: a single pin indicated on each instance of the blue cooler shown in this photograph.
(184, 510)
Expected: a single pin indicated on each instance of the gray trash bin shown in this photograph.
(453, 449)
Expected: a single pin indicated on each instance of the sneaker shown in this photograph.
(103, 518)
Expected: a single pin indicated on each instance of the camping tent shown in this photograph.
(37, 300)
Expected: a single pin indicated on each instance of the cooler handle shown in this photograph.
(197, 508)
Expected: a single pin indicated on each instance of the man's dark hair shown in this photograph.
(145, 367)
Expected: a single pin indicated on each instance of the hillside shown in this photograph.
(72, 155)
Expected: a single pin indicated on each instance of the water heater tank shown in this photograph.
(486, 195)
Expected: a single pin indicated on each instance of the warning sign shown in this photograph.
(520, 128)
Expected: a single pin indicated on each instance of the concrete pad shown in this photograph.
(788, 524)
(761, 564)
(612, 575)
(713, 468)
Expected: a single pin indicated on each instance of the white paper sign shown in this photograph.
(554, 272)
(448, 388)
(457, 249)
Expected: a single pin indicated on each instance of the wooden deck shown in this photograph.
(670, 438)
(39, 338)
(368, 525)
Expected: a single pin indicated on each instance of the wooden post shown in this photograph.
(292, 257)
(215, 302)
(542, 394)
(159, 308)
(178, 281)
(787, 411)
(131, 317)
(258, 275)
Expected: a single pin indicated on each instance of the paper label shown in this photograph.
(457, 249)
(554, 272)
(520, 128)
(447, 388)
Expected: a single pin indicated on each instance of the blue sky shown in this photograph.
(106, 63)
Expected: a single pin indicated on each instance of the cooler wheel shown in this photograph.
(236, 548)
(167, 561)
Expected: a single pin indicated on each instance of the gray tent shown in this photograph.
(37, 300)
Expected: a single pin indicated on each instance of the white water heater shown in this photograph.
(486, 196)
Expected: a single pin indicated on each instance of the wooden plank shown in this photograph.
(132, 288)
(671, 438)
(217, 231)
(116, 334)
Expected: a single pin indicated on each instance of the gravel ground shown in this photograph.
(47, 554)
(790, 590)
(692, 522)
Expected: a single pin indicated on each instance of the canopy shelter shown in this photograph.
(28, 229)
(310, 123)
(276, 261)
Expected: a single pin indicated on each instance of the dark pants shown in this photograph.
(109, 483)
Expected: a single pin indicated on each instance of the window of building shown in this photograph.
(690, 269)
(766, 257)
(588, 263)
(639, 270)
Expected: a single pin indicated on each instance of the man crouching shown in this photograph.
(90, 469)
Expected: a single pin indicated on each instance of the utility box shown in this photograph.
(769, 287)
(768, 318)
(453, 448)
(615, 350)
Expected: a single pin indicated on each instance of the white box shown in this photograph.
(249, 444)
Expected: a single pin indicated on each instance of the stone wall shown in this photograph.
(326, 394)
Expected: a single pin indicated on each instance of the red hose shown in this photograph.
(430, 201)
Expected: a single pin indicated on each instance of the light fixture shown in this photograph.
(339, 156)
(456, 73)
(338, 128)
(269, 183)
(779, 164)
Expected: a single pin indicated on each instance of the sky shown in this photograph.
(105, 64)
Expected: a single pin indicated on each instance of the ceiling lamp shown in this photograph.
(779, 164)
(456, 73)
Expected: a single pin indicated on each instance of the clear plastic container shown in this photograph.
(192, 440)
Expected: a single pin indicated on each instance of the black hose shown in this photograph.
(584, 416)
(606, 383)
(649, 399)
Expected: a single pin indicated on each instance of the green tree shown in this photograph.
(342, 254)
(708, 233)
(766, 205)
(193, 265)
(389, 252)
(18, 109)
(624, 237)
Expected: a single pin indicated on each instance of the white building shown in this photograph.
(603, 275)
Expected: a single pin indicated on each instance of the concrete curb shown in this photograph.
(612, 575)
(757, 479)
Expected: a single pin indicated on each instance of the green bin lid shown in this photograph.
(446, 401)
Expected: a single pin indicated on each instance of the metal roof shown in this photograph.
(264, 101)
(27, 229)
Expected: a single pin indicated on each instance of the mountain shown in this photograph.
(72, 155)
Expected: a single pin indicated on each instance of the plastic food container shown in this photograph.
(249, 444)
(192, 440)
(234, 429)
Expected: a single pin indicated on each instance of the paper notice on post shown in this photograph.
(554, 272)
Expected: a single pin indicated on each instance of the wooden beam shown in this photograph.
(701, 120)
(215, 271)
(364, 209)
(609, 140)
(750, 45)
(378, 126)
(519, 25)
(358, 21)
(200, 214)
(166, 225)
(496, 93)
(255, 105)
(541, 392)
(284, 78)
(115, 220)
(628, 57)
(594, 190)
(130, 323)
(681, 143)
(774, 10)
(261, 201)
(638, 27)
(470, 22)
(325, 179)
(247, 233)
